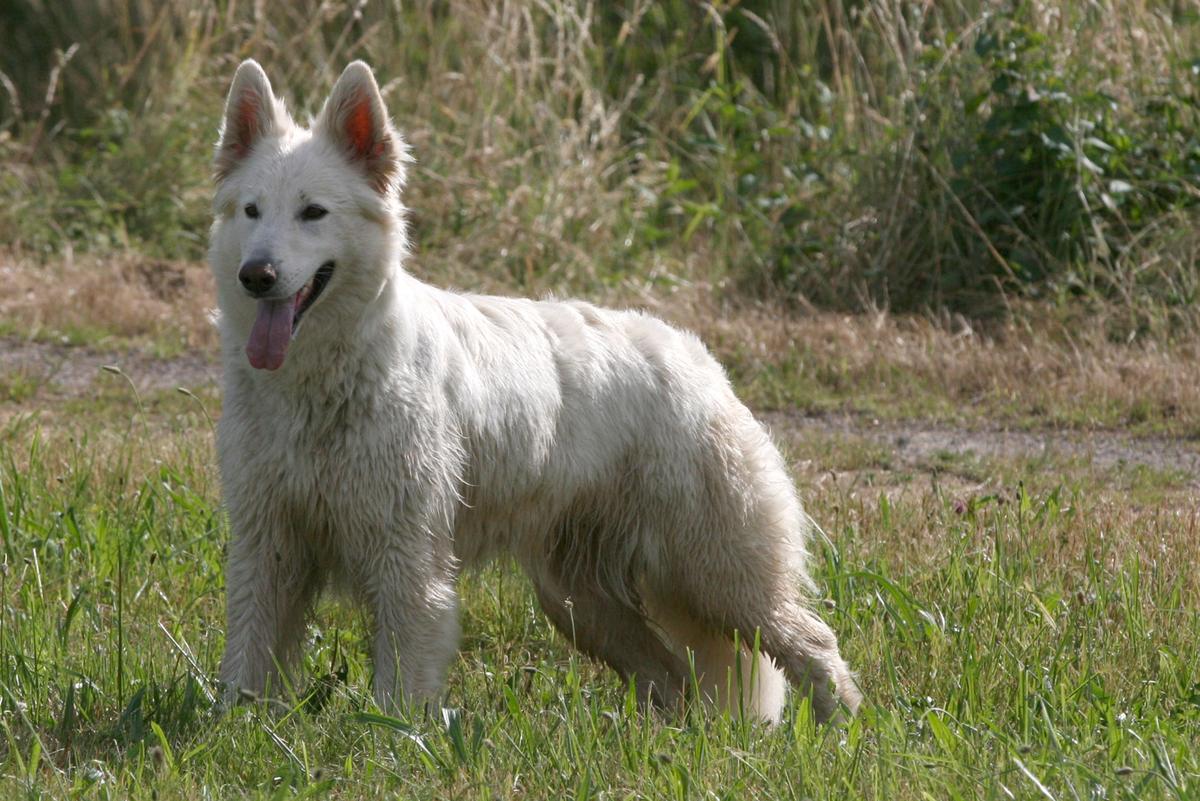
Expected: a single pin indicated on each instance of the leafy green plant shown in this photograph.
(1057, 175)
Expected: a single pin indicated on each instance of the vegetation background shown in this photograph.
(960, 213)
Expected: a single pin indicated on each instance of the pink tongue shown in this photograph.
(271, 334)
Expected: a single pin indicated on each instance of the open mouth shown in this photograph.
(277, 321)
(309, 293)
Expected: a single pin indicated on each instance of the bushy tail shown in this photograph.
(740, 681)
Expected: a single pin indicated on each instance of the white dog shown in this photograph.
(380, 433)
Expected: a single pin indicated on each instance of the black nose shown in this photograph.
(258, 276)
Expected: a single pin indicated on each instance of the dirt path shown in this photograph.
(72, 371)
(918, 443)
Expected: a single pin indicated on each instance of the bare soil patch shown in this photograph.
(73, 371)
(915, 444)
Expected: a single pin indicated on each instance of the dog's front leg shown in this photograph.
(416, 628)
(270, 583)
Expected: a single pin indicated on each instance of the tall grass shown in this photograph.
(915, 155)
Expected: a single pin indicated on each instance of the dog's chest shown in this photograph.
(345, 468)
(322, 460)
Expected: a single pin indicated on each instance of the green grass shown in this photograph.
(1036, 641)
(17, 386)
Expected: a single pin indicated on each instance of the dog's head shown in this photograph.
(307, 220)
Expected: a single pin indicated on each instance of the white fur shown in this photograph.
(411, 431)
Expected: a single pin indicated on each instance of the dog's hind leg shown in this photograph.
(612, 630)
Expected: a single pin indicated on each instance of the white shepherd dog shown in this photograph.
(379, 434)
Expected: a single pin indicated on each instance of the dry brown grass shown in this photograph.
(1037, 368)
(114, 301)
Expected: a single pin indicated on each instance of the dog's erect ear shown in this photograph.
(251, 113)
(355, 120)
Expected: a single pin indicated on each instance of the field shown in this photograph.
(947, 252)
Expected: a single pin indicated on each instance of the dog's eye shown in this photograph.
(312, 212)
(251, 211)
